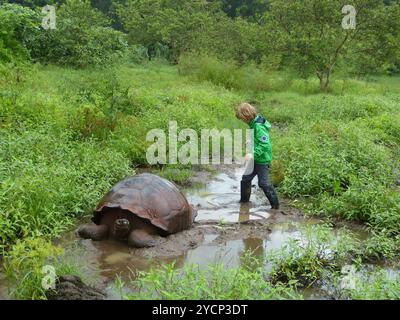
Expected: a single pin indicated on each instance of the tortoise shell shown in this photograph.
(152, 198)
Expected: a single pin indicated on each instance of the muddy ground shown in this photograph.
(181, 242)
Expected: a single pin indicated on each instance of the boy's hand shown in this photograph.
(248, 157)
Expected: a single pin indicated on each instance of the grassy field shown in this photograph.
(68, 135)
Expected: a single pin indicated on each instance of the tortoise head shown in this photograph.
(121, 229)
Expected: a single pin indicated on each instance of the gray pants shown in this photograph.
(262, 172)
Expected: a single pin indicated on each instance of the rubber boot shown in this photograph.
(245, 191)
(272, 197)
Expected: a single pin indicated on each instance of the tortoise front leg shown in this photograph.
(140, 238)
(93, 231)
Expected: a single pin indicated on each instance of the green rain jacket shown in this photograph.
(262, 142)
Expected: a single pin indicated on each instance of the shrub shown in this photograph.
(44, 190)
(83, 37)
(18, 28)
(216, 282)
(24, 267)
(229, 74)
(378, 285)
(312, 256)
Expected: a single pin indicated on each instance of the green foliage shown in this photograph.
(378, 285)
(310, 37)
(58, 180)
(184, 26)
(83, 37)
(317, 257)
(68, 135)
(169, 23)
(49, 174)
(277, 172)
(216, 282)
(228, 74)
(24, 264)
(18, 26)
(83, 131)
(90, 122)
(380, 246)
(253, 9)
(312, 256)
(178, 174)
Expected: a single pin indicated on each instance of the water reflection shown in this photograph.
(219, 200)
(244, 212)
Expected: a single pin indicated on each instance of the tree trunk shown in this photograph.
(324, 80)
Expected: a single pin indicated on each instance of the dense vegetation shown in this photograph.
(76, 103)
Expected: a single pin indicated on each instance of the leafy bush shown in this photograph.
(18, 27)
(90, 122)
(44, 190)
(178, 175)
(229, 74)
(137, 54)
(83, 37)
(380, 246)
(378, 285)
(216, 282)
(312, 256)
(24, 267)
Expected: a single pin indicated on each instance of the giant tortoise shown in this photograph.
(139, 210)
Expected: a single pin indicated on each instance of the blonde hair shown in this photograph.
(246, 112)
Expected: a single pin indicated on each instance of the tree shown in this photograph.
(17, 27)
(310, 36)
(83, 37)
(36, 3)
(191, 25)
(169, 22)
(251, 9)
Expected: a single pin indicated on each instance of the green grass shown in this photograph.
(378, 285)
(215, 282)
(25, 267)
(315, 255)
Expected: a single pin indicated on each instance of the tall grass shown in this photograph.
(215, 282)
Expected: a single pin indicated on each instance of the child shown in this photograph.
(262, 155)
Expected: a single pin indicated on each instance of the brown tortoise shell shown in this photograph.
(149, 197)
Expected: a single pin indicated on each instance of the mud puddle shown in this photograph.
(218, 200)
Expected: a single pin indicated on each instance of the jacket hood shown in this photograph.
(259, 119)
